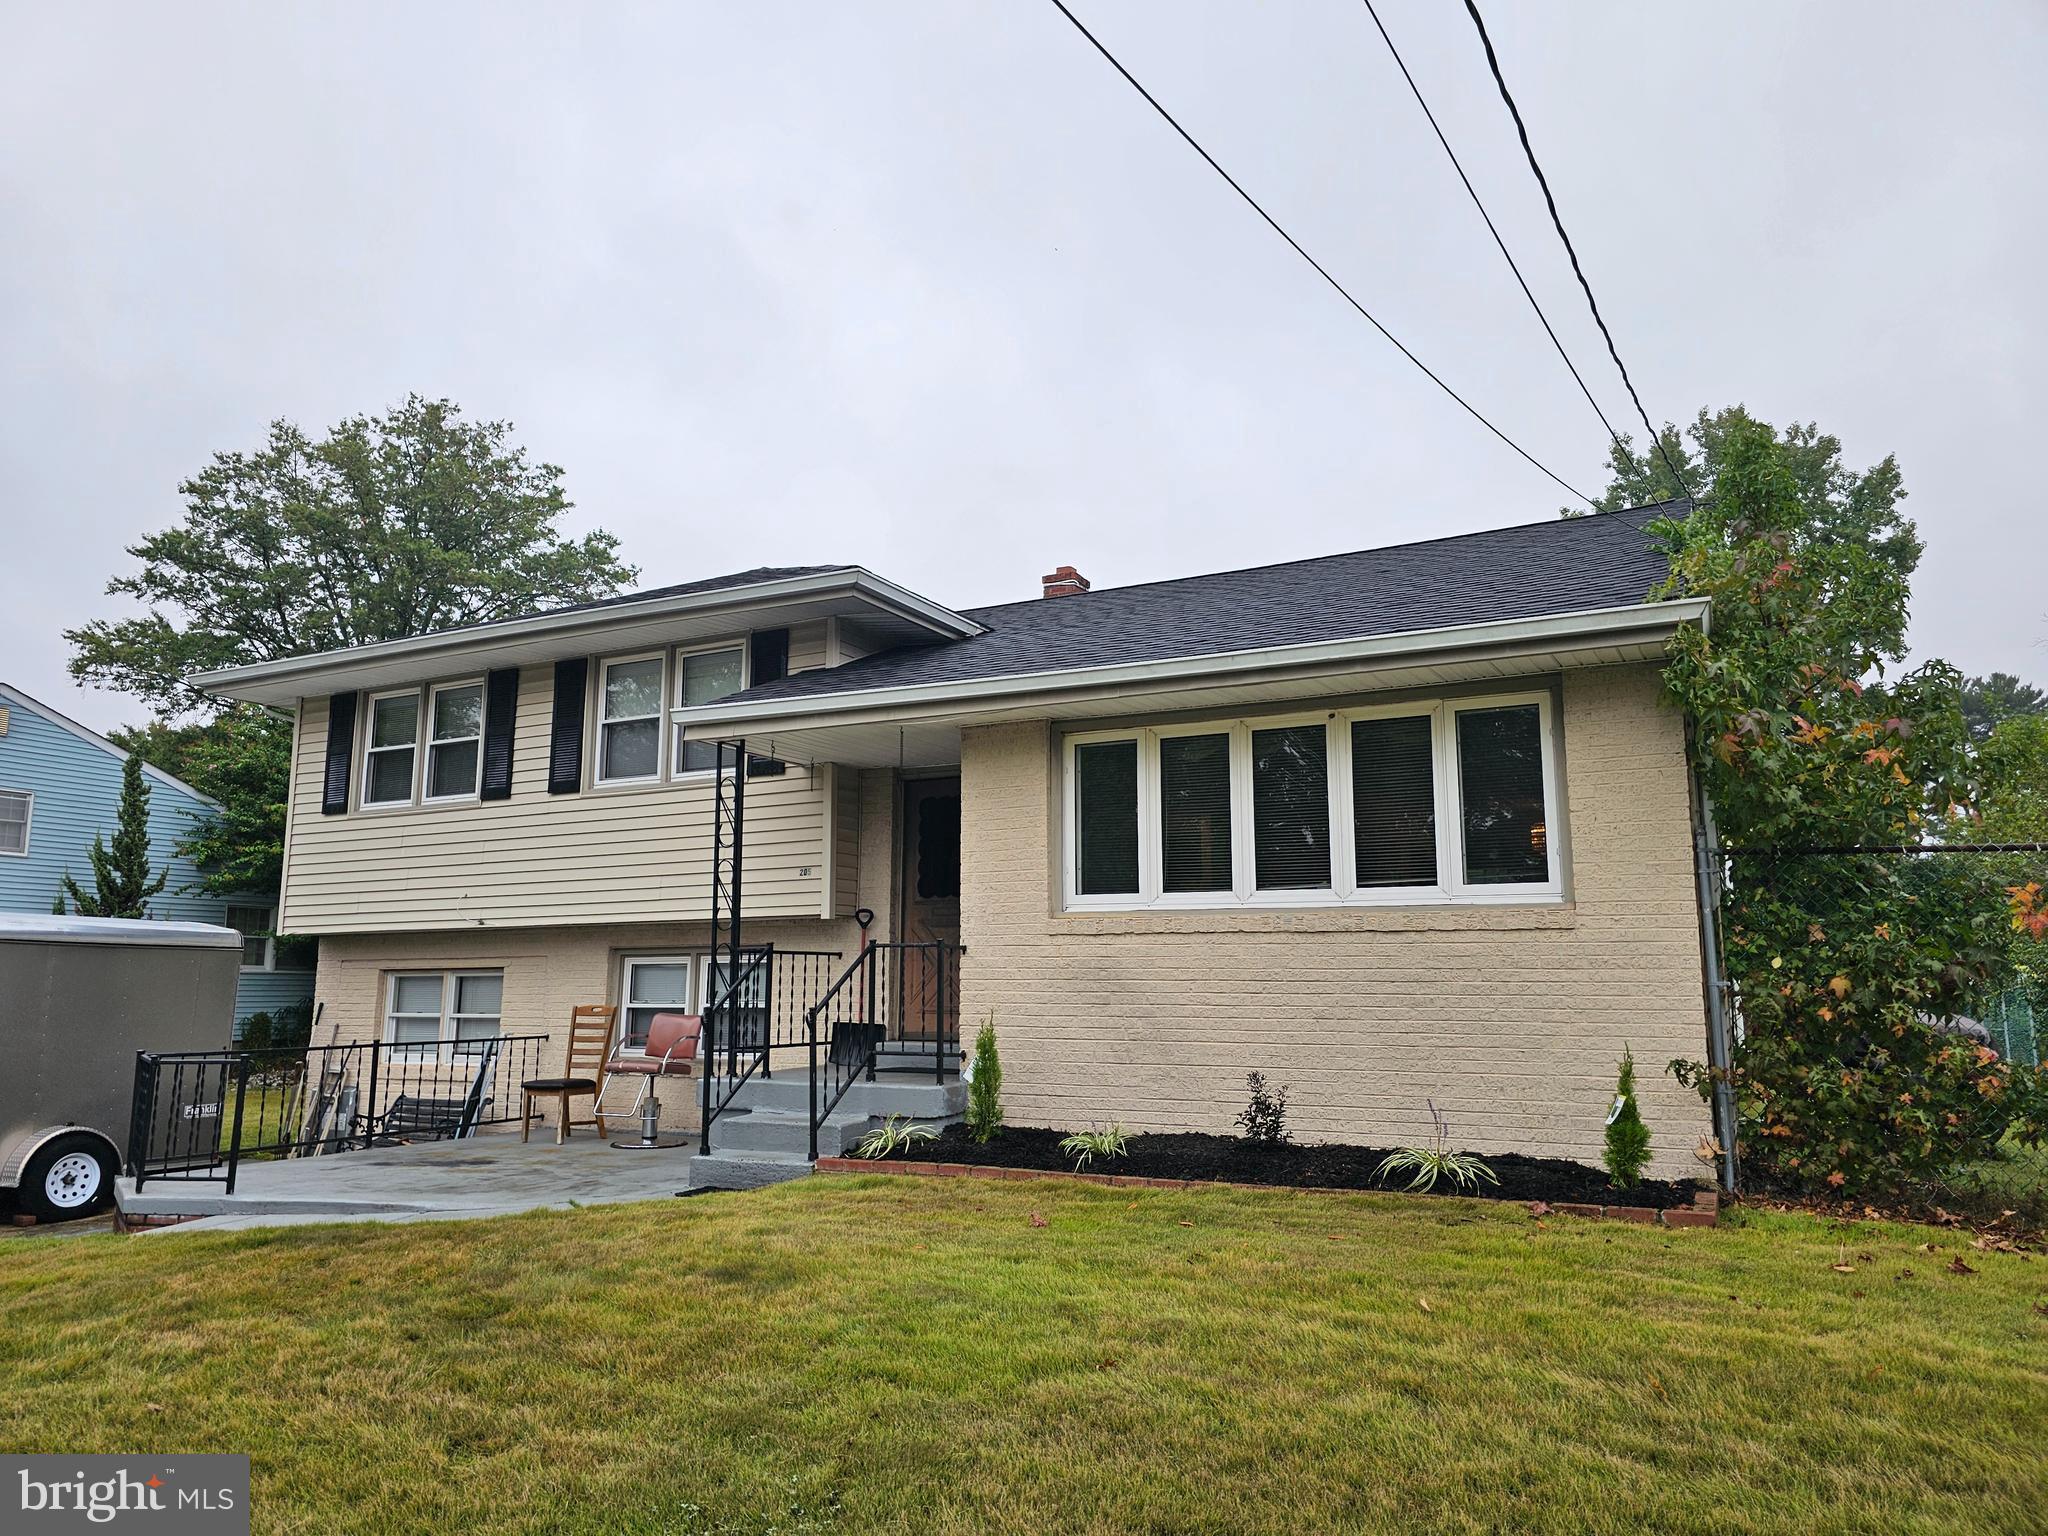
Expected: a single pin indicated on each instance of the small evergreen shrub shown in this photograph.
(1628, 1139)
(985, 1085)
(1265, 1117)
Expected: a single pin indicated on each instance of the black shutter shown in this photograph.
(1393, 801)
(565, 735)
(767, 662)
(341, 750)
(501, 702)
(1291, 808)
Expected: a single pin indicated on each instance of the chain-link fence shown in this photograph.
(1885, 1003)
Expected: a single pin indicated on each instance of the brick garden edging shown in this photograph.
(1703, 1212)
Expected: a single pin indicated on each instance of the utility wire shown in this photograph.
(1490, 229)
(1321, 271)
(1521, 129)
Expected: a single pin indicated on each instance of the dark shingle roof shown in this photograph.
(759, 573)
(1561, 566)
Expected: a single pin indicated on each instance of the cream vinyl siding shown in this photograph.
(627, 854)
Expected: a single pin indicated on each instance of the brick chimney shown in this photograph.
(1065, 582)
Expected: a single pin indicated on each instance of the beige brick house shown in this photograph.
(1396, 827)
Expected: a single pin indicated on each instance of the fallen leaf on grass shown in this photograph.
(1037, 1220)
(1956, 1266)
(1539, 1208)
(1187, 1223)
(1904, 1274)
(1423, 1302)
(2041, 1307)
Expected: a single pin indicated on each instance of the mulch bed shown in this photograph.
(1314, 1165)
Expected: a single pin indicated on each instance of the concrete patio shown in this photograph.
(487, 1175)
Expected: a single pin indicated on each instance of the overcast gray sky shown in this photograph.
(927, 287)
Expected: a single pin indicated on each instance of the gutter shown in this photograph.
(906, 702)
(851, 581)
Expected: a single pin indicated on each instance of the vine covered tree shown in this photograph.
(1802, 739)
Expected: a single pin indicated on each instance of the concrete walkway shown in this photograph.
(488, 1175)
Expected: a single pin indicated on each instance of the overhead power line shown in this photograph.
(1490, 229)
(1302, 252)
(1522, 131)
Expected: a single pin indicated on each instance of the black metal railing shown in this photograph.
(751, 1017)
(199, 1115)
(896, 1008)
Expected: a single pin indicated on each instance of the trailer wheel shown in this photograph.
(70, 1177)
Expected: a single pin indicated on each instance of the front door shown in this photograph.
(931, 907)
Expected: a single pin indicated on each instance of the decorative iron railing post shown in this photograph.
(876, 1026)
(811, 1040)
(241, 1070)
(141, 1115)
(732, 935)
(939, 1016)
(367, 1115)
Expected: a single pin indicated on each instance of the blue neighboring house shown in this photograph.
(60, 784)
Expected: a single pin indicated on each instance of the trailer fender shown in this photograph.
(29, 1145)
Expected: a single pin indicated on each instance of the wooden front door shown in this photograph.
(931, 904)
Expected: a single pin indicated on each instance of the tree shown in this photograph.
(122, 883)
(2001, 696)
(985, 1085)
(388, 526)
(1802, 740)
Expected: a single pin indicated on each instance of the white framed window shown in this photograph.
(441, 1014)
(653, 984)
(1437, 801)
(704, 675)
(17, 806)
(455, 732)
(629, 694)
(391, 749)
(259, 951)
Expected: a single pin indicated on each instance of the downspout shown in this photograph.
(1706, 845)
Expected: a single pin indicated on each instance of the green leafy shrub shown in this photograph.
(1628, 1139)
(985, 1085)
(1265, 1117)
(1083, 1146)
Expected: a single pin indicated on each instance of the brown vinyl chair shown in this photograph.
(671, 1050)
(590, 1041)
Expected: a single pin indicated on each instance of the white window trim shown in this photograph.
(1451, 888)
(269, 938)
(442, 1049)
(689, 964)
(599, 722)
(370, 751)
(675, 694)
(430, 742)
(28, 820)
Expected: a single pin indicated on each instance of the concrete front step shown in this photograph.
(772, 1116)
(889, 1094)
(752, 1170)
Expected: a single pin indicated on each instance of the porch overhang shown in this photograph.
(919, 726)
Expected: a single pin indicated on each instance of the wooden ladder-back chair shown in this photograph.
(590, 1046)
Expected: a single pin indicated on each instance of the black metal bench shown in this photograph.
(412, 1117)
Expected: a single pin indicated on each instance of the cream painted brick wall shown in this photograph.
(548, 971)
(1512, 1019)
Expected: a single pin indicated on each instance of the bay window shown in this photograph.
(1432, 801)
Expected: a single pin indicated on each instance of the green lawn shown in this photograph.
(894, 1354)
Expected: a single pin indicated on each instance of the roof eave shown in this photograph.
(1633, 622)
(261, 681)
